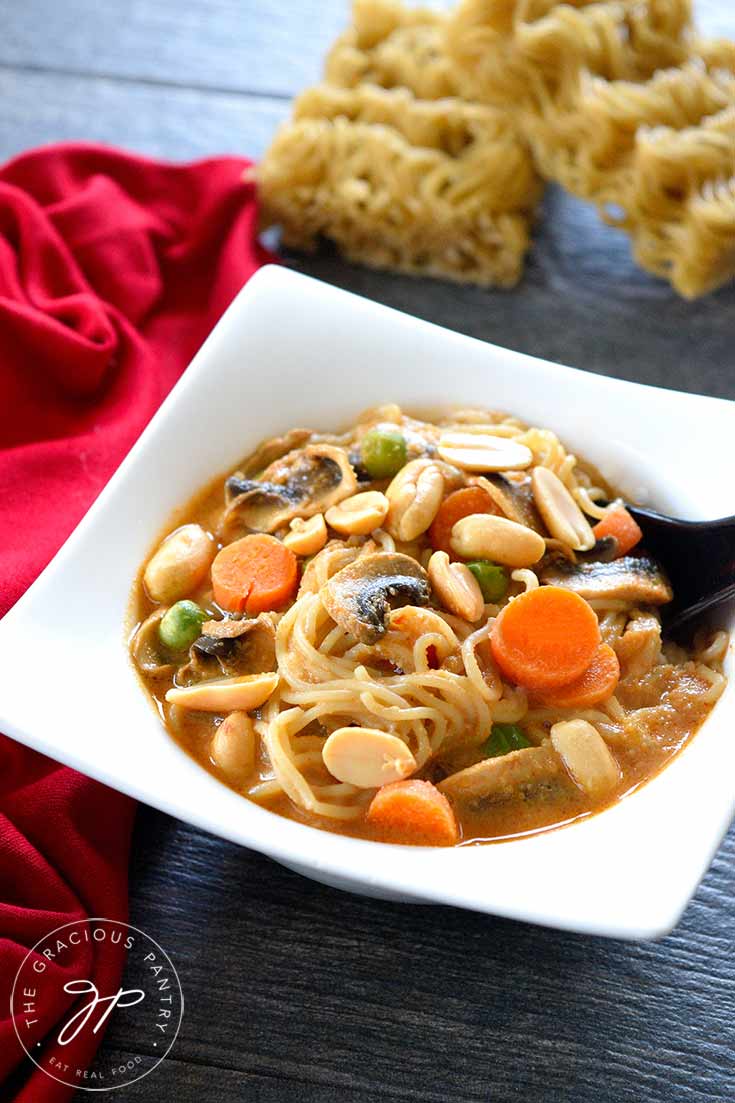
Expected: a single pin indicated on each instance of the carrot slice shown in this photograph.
(254, 574)
(414, 811)
(618, 522)
(545, 638)
(596, 684)
(458, 504)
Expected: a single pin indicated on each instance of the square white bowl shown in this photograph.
(293, 351)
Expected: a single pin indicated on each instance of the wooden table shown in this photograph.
(294, 991)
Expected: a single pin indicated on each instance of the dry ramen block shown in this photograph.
(625, 106)
(393, 47)
(400, 175)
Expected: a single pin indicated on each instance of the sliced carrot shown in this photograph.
(413, 811)
(458, 504)
(618, 522)
(596, 684)
(545, 637)
(254, 574)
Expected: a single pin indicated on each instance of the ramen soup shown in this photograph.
(425, 632)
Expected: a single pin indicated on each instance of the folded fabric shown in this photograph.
(386, 160)
(113, 269)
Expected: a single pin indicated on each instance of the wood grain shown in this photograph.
(293, 991)
(369, 1000)
(258, 46)
(180, 123)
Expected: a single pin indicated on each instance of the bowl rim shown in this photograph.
(655, 881)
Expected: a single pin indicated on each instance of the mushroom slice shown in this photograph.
(301, 483)
(147, 650)
(359, 596)
(248, 692)
(513, 494)
(636, 579)
(586, 756)
(235, 646)
(531, 773)
(602, 551)
(273, 449)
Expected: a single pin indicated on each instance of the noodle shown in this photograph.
(390, 163)
(625, 106)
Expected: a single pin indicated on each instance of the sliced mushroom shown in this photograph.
(359, 596)
(602, 551)
(636, 579)
(299, 484)
(232, 647)
(272, 450)
(147, 650)
(532, 773)
(513, 494)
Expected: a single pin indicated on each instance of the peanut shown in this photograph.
(586, 756)
(414, 496)
(180, 564)
(233, 747)
(359, 514)
(306, 537)
(473, 451)
(367, 757)
(484, 536)
(249, 691)
(562, 516)
(456, 587)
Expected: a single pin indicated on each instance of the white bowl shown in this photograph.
(292, 351)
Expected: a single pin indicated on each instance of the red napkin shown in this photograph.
(113, 269)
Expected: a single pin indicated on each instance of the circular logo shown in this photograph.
(63, 998)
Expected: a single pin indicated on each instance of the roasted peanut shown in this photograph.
(414, 496)
(456, 587)
(247, 692)
(484, 536)
(586, 756)
(367, 757)
(233, 747)
(306, 537)
(562, 516)
(473, 451)
(180, 564)
(359, 514)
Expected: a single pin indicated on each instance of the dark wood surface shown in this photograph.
(298, 992)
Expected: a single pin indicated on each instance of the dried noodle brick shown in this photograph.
(625, 106)
(388, 162)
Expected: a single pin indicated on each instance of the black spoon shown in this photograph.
(699, 558)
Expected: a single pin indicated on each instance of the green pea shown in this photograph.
(383, 452)
(503, 739)
(493, 579)
(181, 625)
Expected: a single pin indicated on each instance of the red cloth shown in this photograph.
(113, 269)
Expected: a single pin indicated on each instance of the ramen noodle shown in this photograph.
(418, 631)
(388, 162)
(623, 104)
